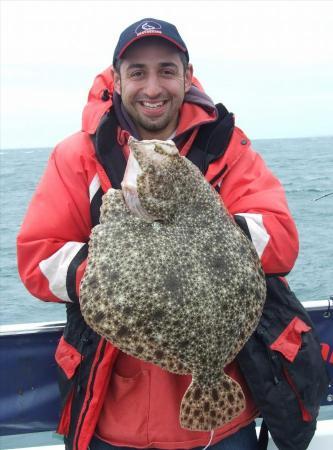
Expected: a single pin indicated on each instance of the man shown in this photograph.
(110, 399)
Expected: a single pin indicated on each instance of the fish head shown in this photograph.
(159, 163)
(153, 155)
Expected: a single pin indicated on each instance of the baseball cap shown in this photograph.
(145, 28)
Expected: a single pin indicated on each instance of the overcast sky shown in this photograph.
(269, 62)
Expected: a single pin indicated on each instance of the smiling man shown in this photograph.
(109, 399)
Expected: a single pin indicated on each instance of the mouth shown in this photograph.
(153, 105)
(153, 108)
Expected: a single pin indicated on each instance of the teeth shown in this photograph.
(152, 105)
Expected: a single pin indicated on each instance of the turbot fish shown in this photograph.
(171, 279)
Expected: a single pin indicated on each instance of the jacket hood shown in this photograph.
(102, 96)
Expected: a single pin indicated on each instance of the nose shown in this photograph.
(153, 87)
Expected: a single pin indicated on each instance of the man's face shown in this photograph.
(152, 85)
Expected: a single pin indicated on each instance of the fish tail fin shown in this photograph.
(205, 408)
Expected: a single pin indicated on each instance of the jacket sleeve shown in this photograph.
(52, 242)
(256, 198)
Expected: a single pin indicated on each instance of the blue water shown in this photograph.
(305, 167)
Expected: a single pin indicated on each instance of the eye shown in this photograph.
(151, 169)
(137, 74)
(168, 72)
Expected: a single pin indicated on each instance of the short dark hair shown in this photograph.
(182, 56)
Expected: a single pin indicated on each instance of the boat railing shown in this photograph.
(29, 397)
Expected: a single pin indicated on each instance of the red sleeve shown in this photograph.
(255, 196)
(52, 242)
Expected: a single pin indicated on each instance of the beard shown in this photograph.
(153, 125)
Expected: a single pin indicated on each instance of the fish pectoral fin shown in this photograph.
(205, 408)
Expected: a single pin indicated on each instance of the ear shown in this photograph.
(116, 81)
(188, 77)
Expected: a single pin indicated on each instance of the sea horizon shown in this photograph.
(324, 136)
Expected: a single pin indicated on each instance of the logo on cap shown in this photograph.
(148, 27)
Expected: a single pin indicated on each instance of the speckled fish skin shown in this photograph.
(184, 292)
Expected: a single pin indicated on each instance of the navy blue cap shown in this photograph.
(146, 28)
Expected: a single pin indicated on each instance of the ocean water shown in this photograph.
(304, 166)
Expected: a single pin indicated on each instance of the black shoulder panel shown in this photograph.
(212, 139)
(109, 153)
